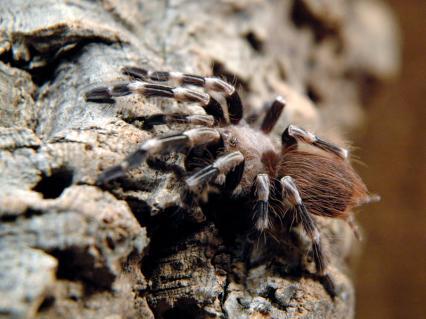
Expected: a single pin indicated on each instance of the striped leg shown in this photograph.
(154, 146)
(293, 134)
(233, 100)
(231, 164)
(102, 94)
(174, 118)
(292, 199)
(261, 206)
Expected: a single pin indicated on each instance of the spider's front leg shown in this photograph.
(294, 202)
(104, 94)
(233, 100)
(177, 142)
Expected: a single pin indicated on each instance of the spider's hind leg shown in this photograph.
(293, 200)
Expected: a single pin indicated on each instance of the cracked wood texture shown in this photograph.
(70, 249)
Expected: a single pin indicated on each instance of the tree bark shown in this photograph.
(74, 250)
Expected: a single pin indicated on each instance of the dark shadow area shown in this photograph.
(47, 303)
(303, 17)
(219, 70)
(254, 41)
(76, 264)
(52, 186)
(183, 311)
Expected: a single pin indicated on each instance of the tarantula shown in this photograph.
(279, 181)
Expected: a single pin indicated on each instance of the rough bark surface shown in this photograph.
(70, 249)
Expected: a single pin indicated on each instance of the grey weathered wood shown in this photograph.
(53, 145)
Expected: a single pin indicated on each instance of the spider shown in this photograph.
(285, 180)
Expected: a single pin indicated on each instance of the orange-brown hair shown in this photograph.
(328, 185)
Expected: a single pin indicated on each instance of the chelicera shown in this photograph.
(305, 176)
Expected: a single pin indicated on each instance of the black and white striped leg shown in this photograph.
(174, 118)
(261, 205)
(233, 100)
(293, 134)
(217, 172)
(272, 115)
(154, 146)
(293, 200)
(107, 93)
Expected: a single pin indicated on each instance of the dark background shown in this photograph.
(391, 274)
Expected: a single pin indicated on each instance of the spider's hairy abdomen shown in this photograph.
(328, 187)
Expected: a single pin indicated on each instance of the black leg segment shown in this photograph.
(233, 178)
(272, 115)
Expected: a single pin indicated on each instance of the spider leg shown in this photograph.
(293, 199)
(177, 142)
(261, 191)
(102, 94)
(218, 171)
(233, 178)
(233, 100)
(272, 115)
(178, 118)
(293, 134)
